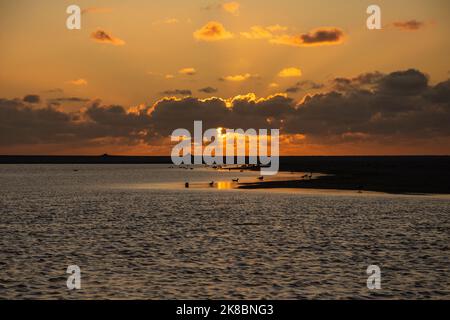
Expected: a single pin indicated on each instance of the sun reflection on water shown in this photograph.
(225, 185)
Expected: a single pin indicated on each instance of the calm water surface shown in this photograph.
(136, 232)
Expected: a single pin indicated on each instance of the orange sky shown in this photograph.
(134, 53)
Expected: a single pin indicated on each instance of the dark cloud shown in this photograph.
(175, 92)
(401, 104)
(318, 37)
(115, 121)
(22, 124)
(293, 89)
(169, 114)
(208, 90)
(440, 93)
(323, 35)
(32, 98)
(409, 25)
(67, 99)
(248, 112)
(371, 107)
(365, 80)
(102, 36)
(241, 112)
(304, 85)
(409, 82)
(368, 78)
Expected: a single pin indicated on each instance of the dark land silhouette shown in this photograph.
(392, 174)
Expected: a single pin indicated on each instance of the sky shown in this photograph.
(138, 69)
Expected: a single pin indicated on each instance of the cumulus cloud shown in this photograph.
(188, 71)
(318, 37)
(32, 98)
(21, 124)
(410, 83)
(231, 7)
(246, 111)
(400, 104)
(396, 107)
(290, 72)
(238, 77)
(409, 25)
(102, 36)
(208, 90)
(277, 34)
(212, 31)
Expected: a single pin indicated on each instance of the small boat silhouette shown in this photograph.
(235, 180)
(186, 185)
(261, 178)
(211, 184)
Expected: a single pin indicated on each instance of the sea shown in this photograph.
(136, 232)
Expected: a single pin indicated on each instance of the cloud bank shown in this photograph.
(369, 108)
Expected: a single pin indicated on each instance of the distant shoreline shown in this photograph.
(389, 174)
(117, 159)
(102, 159)
(395, 174)
(349, 184)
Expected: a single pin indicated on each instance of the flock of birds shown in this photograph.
(307, 176)
(211, 184)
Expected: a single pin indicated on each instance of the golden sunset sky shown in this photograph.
(101, 89)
